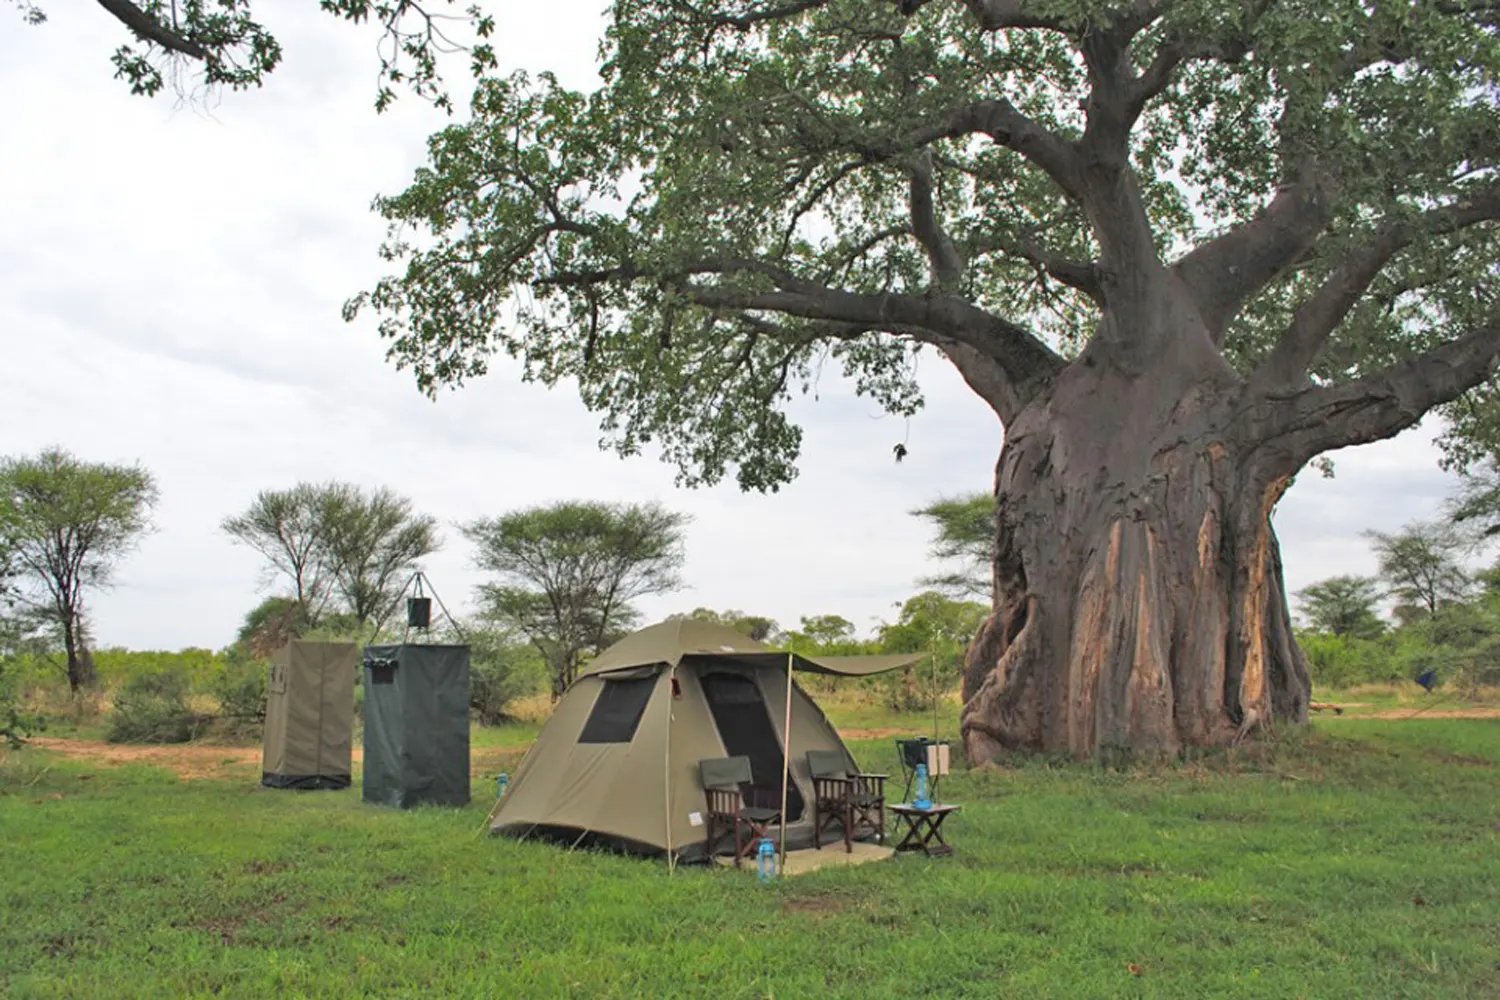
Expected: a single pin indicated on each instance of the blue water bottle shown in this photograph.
(766, 856)
(501, 785)
(922, 801)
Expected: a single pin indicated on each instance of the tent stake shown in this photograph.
(786, 756)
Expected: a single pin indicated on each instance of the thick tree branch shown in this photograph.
(1318, 317)
(148, 29)
(1307, 423)
(1022, 362)
(1082, 276)
(946, 260)
(998, 15)
(1002, 122)
(776, 12)
(1006, 396)
(1223, 273)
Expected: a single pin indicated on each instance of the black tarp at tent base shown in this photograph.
(416, 737)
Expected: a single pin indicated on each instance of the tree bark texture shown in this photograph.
(81, 672)
(1139, 600)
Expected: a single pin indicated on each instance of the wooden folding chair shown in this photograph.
(847, 797)
(731, 794)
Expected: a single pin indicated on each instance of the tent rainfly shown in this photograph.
(309, 732)
(416, 725)
(617, 763)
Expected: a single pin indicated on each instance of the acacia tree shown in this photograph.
(371, 542)
(569, 572)
(1421, 565)
(756, 627)
(1343, 606)
(965, 528)
(286, 527)
(1181, 248)
(69, 521)
(224, 45)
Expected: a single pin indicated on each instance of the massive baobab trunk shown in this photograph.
(1138, 589)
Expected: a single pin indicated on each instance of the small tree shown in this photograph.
(286, 527)
(966, 536)
(570, 571)
(70, 522)
(940, 626)
(371, 543)
(1343, 606)
(756, 627)
(1420, 564)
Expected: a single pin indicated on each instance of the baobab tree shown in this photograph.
(1180, 247)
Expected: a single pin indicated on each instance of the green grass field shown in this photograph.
(1357, 860)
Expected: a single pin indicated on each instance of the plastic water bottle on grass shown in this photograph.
(501, 785)
(766, 857)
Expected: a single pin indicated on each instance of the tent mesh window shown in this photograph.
(618, 711)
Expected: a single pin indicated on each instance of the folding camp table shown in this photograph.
(923, 826)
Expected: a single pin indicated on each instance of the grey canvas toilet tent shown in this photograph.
(617, 764)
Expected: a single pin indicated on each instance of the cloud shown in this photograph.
(170, 286)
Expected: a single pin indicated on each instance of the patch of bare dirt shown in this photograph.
(873, 734)
(817, 906)
(188, 760)
(1440, 713)
(206, 761)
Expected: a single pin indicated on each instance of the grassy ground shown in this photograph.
(1358, 860)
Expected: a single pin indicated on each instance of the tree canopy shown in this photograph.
(69, 522)
(760, 186)
(1343, 606)
(570, 572)
(286, 527)
(336, 543)
(965, 536)
(1422, 565)
(227, 45)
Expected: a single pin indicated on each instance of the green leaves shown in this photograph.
(740, 202)
(228, 46)
(336, 539)
(568, 573)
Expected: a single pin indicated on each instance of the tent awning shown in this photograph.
(671, 642)
(843, 666)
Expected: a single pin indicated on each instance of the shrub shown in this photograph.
(501, 672)
(239, 686)
(152, 707)
(15, 724)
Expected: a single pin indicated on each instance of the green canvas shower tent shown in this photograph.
(617, 763)
(416, 736)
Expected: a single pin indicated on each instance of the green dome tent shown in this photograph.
(617, 763)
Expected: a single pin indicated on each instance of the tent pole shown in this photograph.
(936, 693)
(786, 756)
(667, 772)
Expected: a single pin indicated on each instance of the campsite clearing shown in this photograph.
(1346, 863)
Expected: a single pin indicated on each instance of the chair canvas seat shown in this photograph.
(843, 796)
(726, 781)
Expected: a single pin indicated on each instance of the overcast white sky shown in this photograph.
(170, 286)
